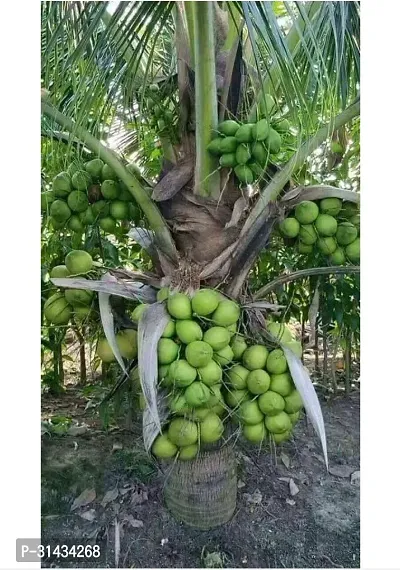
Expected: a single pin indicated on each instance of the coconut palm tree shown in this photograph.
(164, 75)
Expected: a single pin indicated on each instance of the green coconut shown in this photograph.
(204, 302)
(138, 312)
(81, 313)
(211, 373)
(108, 224)
(349, 210)
(235, 397)
(255, 357)
(326, 245)
(224, 356)
(59, 271)
(188, 331)
(79, 297)
(279, 331)
(293, 402)
(182, 432)
(276, 362)
(77, 201)
(294, 418)
(306, 212)
(127, 341)
(57, 310)
(75, 224)
(338, 257)
(179, 306)
(274, 141)
(199, 414)
(107, 173)
(211, 428)
(227, 313)
(197, 394)
(167, 351)
(163, 371)
(255, 433)
(163, 448)
(62, 185)
(260, 130)
(100, 209)
(78, 262)
(353, 251)
(259, 154)
(46, 199)
(215, 396)
(243, 154)
(169, 330)
(162, 294)
(229, 145)
(198, 353)
(217, 337)
(326, 225)
(110, 189)
(181, 373)
(238, 346)
(244, 134)
(307, 234)
(244, 173)
(228, 128)
(81, 180)
(94, 168)
(346, 233)
(330, 206)
(250, 413)
(271, 403)
(258, 381)
(228, 160)
(238, 377)
(60, 211)
(290, 227)
(119, 210)
(278, 423)
(304, 247)
(282, 384)
(281, 437)
(104, 351)
(178, 405)
(188, 452)
(214, 147)
(232, 329)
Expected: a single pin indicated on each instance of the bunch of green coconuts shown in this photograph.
(212, 375)
(90, 194)
(331, 226)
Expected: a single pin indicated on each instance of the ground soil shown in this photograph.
(316, 528)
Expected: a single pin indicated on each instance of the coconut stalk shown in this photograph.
(189, 13)
(156, 221)
(206, 179)
(325, 353)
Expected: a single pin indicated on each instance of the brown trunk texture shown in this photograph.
(202, 493)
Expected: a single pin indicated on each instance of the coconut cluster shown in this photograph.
(330, 225)
(90, 194)
(159, 105)
(247, 147)
(62, 305)
(212, 373)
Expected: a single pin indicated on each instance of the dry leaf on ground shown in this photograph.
(285, 460)
(111, 495)
(293, 488)
(87, 496)
(342, 470)
(88, 515)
